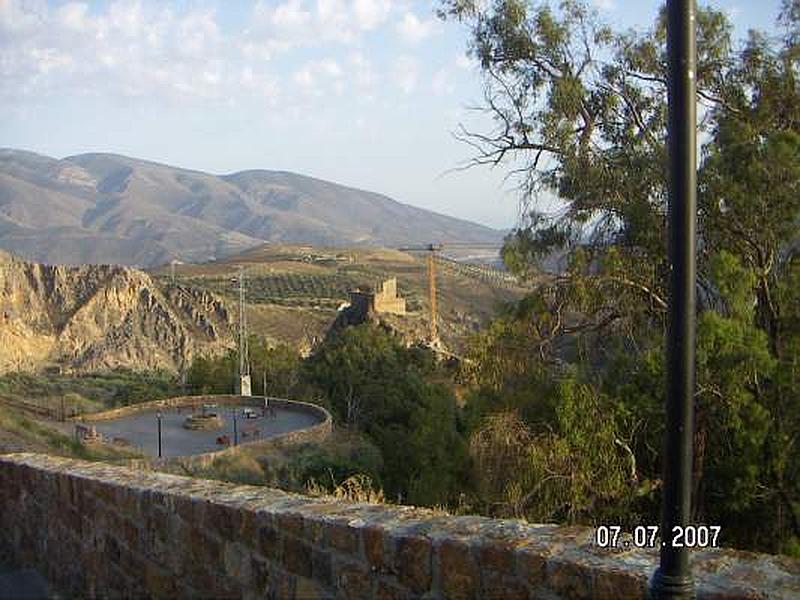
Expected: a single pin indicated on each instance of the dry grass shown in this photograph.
(356, 488)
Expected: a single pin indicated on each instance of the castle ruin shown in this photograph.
(383, 300)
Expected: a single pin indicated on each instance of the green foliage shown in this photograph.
(579, 111)
(91, 391)
(345, 455)
(208, 375)
(374, 384)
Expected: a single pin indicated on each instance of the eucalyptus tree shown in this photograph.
(579, 113)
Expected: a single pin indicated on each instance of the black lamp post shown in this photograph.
(158, 416)
(673, 578)
(235, 432)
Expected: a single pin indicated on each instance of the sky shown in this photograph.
(365, 93)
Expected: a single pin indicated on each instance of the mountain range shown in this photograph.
(111, 209)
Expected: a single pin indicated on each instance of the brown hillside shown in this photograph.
(100, 316)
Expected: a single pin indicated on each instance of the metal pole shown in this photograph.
(235, 432)
(159, 433)
(432, 291)
(673, 578)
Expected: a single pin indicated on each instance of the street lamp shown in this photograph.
(673, 578)
(158, 416)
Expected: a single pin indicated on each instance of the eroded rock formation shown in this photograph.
(103, 316)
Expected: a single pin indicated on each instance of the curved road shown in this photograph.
(141, 429)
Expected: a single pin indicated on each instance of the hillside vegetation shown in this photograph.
(293, 292)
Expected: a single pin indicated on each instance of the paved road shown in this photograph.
(141, 429)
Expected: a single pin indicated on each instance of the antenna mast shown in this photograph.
(244, 362)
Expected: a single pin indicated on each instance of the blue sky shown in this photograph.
(361, 92)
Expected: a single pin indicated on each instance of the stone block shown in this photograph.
(269, 542)
(531, 565)
(374, 548)
(106, 493)
(126, 501)
(322, 567)
(305, 588)
(413, 563)
(130, 535)
(112, 549)
(158, 582)
(219, 519)
(184, 506)
(342, 537)
(609, 584)
(281, 585)
(497, 556)
(291, 523)
(314, 531)
(246, 529)
(206, 550)
(388, 591)
(496, 585)
(260, 572)
(296, 556)
(237, 559)
(352, 580)
(459, 575)
(569, 579)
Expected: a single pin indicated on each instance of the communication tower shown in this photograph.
(243, 387)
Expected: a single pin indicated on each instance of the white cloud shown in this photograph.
(316, 77)
(466, 62)
(413, 30)
(371, 13)
(303, 77)
(330, 67)
(441, 84)
(74, 15)
(406, 73)
(127, 48)
(133, 48)
(198, 35)
(733, 12)
(606, 5)
(299, 23)
(18, 18)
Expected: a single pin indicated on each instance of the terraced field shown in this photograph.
(293, 292)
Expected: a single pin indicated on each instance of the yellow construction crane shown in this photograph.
(431, 250)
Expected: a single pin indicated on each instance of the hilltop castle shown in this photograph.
(383, 300)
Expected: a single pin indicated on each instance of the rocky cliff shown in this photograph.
(103, 316)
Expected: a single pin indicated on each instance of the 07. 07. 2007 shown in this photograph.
(648, 536)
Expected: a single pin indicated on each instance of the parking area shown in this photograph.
(140, 430)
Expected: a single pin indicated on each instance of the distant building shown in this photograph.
(383, 300)
(243, 386)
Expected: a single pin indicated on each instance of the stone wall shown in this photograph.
(199, 401)
(97, 530)
(386, 299)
